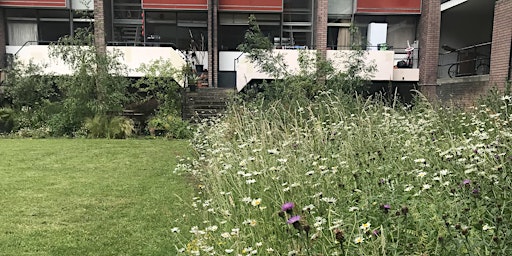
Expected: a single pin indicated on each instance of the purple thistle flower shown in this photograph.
(293, 219)
(386, 207)
(466, 182)
(287, 207)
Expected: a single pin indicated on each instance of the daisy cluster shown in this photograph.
(341, 177)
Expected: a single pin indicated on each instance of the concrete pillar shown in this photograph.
(429, 31)
(501, 44)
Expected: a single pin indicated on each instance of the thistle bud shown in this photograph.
(340, 237)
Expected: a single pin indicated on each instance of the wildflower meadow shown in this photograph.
(346, 176)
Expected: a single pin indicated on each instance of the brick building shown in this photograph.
(207, 33)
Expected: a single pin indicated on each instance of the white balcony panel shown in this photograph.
(227, 60)
(383, 61)
(132, 57)
(406, 74)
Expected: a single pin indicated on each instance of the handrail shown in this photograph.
(25, 44)
(467, 48)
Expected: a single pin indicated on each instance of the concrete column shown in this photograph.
(429, 31)
(501, 44)
(99, 26)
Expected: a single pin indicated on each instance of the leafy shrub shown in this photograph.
(170, 126)
(26, 86)
(159, 83)
(35, 133)
(6, 120)
(112, 128)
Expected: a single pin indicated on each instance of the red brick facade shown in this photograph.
(429, 34)
(501, 44)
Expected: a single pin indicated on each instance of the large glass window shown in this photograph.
(400, 29)
(192, 31)
(233, 27)
(21, 33)
(340, 7)
(297, 24)
(160, 28)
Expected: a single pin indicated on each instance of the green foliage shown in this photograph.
(159, 82)
(254, 39)
(171, 126)
(34, 133)
(315, 74)
(259, 50)
(6, 120)
(27, 86)
(496, 101)
(96, 87)
(31, 94)
(365, 179)
(356, 75)
(116, 127)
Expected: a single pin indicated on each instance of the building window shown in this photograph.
(400, 29)
(297, 23)
(21, 33)
(192, 31)
(233, 27)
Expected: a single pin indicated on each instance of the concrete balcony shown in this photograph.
(132, 57)
(384, 62)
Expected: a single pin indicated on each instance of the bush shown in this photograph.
(6, 120)
(112, 128)
(169, 126)
(37, 133)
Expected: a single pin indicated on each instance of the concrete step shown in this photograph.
(205, 103)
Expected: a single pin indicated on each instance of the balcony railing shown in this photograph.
(467, 61)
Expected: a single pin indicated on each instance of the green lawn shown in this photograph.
(90, 197)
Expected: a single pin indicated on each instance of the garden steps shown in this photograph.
(205, 103)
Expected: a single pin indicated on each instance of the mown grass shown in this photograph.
(90, 197)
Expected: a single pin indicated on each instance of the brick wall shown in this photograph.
(99, 25)
(428, 35)
(462, 94)
(321, 26)
(501, 43)
(2, 39)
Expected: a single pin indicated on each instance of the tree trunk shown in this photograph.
(99, 26)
